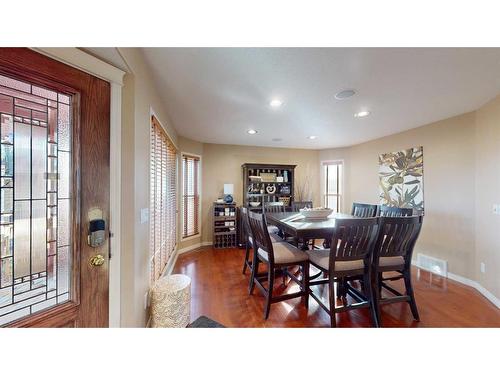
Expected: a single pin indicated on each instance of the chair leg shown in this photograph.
(305, 283)
(283, 275)
(331, 291)
(409, 292)
(367, 282)
(345, 286)
(247, 255)
(376, 287)
(255, 272)
(339, 287)
(270, 286)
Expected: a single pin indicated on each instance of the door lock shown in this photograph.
(97, 233)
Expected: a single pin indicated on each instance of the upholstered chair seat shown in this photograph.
(322, 257)
(284, 253)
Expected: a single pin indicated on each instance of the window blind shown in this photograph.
(163, 199)
(332, 185)
(191, 196)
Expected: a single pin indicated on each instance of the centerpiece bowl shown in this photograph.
(316, 213)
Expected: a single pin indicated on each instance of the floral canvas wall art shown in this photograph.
(401, 178)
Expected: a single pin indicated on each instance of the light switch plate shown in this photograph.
(483, 267)
(144, 215)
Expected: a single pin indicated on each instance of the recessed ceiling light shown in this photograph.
(362, 114)
(251, 131)
(275, 103)
(312, 137)
(277, 139)
(344, 94)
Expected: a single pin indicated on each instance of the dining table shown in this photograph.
(304, 229)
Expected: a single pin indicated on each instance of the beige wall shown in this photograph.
(487, 194)
(140, 96)
(456, 228)
(461, 185)
(222, 164)
(448, 231)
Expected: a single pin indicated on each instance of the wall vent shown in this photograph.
(431, 264)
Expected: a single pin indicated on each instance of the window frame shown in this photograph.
(341, 185)
(182, 219)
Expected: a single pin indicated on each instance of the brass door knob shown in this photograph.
(97, 260)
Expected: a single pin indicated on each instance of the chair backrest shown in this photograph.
(353, 239)
(260, 235)
(244, 221)
(296, 206)
(397, 237)
(364, 210)
(387, 211)
(274, 207)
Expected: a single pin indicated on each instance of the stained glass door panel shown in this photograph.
(35, 199)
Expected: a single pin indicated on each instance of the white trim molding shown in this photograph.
(474, 284)
(463, 280)
(98, 68)
(194, 247)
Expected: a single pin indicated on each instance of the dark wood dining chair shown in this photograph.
(393, 251)
(349, 257)
(364, 210)
(247, 233)
(297, 206)
(278, 255)
(274, 207)
(387, 211)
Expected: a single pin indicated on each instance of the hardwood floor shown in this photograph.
(219, 291)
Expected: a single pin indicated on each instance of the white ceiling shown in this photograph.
(216, 94)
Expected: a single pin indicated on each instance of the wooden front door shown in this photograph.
(54, 179)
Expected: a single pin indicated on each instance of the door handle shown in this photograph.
(97, 260)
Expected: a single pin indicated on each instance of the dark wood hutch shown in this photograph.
(267, 183)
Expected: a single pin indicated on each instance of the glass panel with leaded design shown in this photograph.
(35, 199)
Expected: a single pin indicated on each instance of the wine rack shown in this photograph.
(225, 223)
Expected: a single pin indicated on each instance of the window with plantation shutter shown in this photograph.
(190, 195)
(163, 199)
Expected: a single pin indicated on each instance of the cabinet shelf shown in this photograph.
(224, 218)
(273, 182)
(225, 236)
(268, 195)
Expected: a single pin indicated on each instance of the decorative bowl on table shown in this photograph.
(255, 204)
(316, 213)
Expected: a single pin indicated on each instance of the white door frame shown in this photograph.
(92, 65)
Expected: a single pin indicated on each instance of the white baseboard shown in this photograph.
(196, 246)
(473, 284)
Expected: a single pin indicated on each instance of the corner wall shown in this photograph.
(448, 230)
(139, 97)
(461, 185)
(487, 194)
